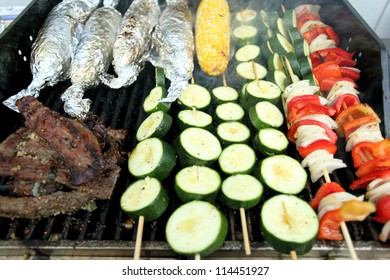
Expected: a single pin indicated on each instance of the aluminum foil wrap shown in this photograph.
(173, 47)
(54, 47)
(92, 58)
(133, 43)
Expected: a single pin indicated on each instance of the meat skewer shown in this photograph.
(92, 58)
(173, 46)
(133, 43)
(54, 47)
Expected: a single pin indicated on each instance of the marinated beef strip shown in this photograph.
(44, 206)
(75, 143)
(21, 188)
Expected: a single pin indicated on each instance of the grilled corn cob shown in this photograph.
(212, 36)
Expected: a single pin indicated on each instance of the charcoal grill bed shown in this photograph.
(106, 232)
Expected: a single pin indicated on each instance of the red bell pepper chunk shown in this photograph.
(316, 59)
(350, 72)
(309, 109)
(352, 210)
(316, 145)
(339, 60)
(302, 100)
(327, 70)
(363, 182)
(375, 164)
(382, 210)
(293, 129)
(345, 101)
(311, 34)
(332, 34)
(364, 151)
(328, 83)
(338, 51)
(354, 124)
(324, 190)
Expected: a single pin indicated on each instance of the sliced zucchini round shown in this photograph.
(152, 101)
(257, 91)
(195, 96)
(194, 118)
(294, 35)
(224, 94)
(280, 44)
(248, 53)
(288, 223)
(156, 124)
(241, 191)
(251, 70)
(292, 59)
(281, 27)
(145, 197)
(229, 111)
(243, 100)
(160, 77)
(278, 77)
(233, 132)
(246, 16)
(197, 183)
(301, 48)
(290, 18)
(197, 146)
(282, 174)
(305, 65)
(152, 157)
(237, 159)
(275, 62)
(265, 114)
(270, 141)
(197, 227)
(245, 34)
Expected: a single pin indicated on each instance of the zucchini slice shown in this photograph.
(280, 44)
(224, 94)
(265, 114)
(248, 53)
(237, 159)
(293, 60)
(294, 35)
(245, 34)
(290, 18)
(251, 70)
(152, 157)
(233, 132)
(152, 101)
(305, 65)
(246, 16)
(156, 124)
(229, 111)
(274, 62)
(270, 141)
(195, 96)
(288, 223)
(194, 118)
(302, 48)
(278, 77)
(197, 183)
(241, 191)
(197, 227)
(257, 91)
(243, 100)
(282, 174)
(197, 146)
(281, 27)
(145, 197)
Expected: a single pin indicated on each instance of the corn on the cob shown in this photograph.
(212, 36)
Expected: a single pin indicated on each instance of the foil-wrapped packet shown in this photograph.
(92, 58)
(173, 47)
(54, 47)
(132, 46)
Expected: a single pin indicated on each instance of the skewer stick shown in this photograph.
(293, 255)
(197, 257)
(344, 229)
(283, 8)
(245, 232)
(224, 79)
(138, 241)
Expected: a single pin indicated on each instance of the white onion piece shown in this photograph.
(321, 42)
(379, 192)
(340, 84)
(299, 84)
(344, 90)
(311, 8)
(376, 183)
(315, 156)
(310, 24)
(334, 201)
(325, 119)
(307, 134)
(385, 233)
(301, 91)
(366, 133)
(317, 170)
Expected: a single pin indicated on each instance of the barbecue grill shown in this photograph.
(107, 232)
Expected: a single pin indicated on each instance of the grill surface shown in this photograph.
(107, 232)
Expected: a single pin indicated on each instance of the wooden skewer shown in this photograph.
(138, 241)
(197, 257)
(245, 232)
(224, 79)
(283, 8)
(293, 255)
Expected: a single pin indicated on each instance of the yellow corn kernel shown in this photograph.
(212, 36)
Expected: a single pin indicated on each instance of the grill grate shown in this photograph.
(107, 231)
